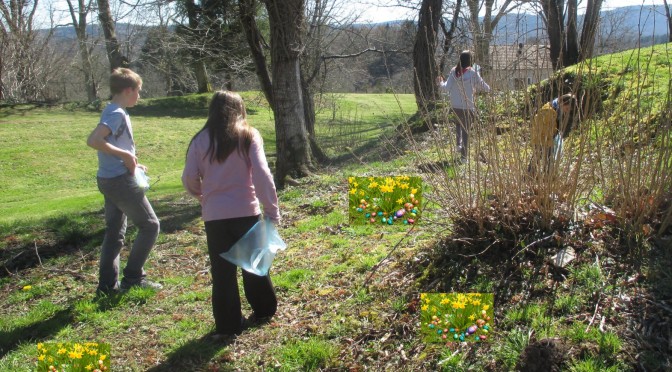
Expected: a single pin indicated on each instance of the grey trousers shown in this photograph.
(123, 198)
(462, 126)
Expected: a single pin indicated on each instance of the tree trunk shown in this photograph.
(309, 114)
(79, 23)
(571, 52)
(254, 39)
(448, 35)
(424, 56)
(669, 20)
(590, 23)
(286, 23)
(111, 43)
(197, 64)
(553, 9)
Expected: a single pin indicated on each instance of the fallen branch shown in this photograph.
(380, 263)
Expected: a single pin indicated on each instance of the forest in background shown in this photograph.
(340, 54)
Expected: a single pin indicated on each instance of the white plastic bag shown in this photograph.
(141, 179)
(254, 252)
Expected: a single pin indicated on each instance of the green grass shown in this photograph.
(327, 318)
(46, 169)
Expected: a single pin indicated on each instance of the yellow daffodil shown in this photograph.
(414, 191)
(351, 179)
(423, 295)
(424, 307)
(486, 307)
(373, 185)
(404, 186)
(61, 351)
(472, 317)
(400, 201)
(102, 357)
(458, 305)
(353, 191)
(41, 357)
(475, 302)
(386, 188)
(361, 192)
(445, 301)
(75, 355)
(89, 367)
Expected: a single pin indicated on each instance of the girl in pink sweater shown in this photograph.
(226, 170)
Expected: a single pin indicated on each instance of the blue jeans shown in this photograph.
(124, 198)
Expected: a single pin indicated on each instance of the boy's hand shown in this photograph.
(130, 161)
(142, 166)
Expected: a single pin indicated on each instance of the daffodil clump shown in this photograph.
(456, 317)
(73, 357)
(384, 200)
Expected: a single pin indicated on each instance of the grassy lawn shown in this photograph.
(349, 296)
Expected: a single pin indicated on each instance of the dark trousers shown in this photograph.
(221, 236)
(463, 122)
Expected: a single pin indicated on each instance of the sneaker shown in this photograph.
(143, 283)
(107, 291)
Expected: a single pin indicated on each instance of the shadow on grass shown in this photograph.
(192, 356)
(176, 215)
(43, 329)
(67, 235)
(30, 243)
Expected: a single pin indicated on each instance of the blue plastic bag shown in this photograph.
(254, 252)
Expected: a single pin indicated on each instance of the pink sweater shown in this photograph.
(233, 188)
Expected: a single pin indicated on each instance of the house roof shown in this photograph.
(521, 57)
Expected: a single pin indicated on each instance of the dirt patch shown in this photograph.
(547, 355)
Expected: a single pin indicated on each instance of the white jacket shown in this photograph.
(462, 89)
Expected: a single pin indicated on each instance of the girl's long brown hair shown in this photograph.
(227, 127)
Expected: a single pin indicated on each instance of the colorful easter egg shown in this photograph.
(431, 326)
(440, 331)
(362, 201)
(372, 220)
(380, 213)
(443, 337)
(389, 221)
(471, 329)
(483, 337)
(486, 327)
(359, 209)
(383, 220)
(480, 322)
(405, 222)
(452, 330)
(411, 221)
(368, 215)
(461, 338)
(413, 215)
(455, 336)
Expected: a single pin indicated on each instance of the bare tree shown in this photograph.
(114, 55)
(196, 46)
(669, 20)
(565, 48)
(25, 63)
(424, 56)
(286, 20)
(482, 29)
(79, 23)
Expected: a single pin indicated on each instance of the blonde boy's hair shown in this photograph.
(123, 78)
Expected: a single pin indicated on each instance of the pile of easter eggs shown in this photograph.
(477, 332)
(407, 215)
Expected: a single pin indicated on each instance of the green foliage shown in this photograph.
(309, 355)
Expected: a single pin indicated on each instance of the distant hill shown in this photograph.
(640, 22)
